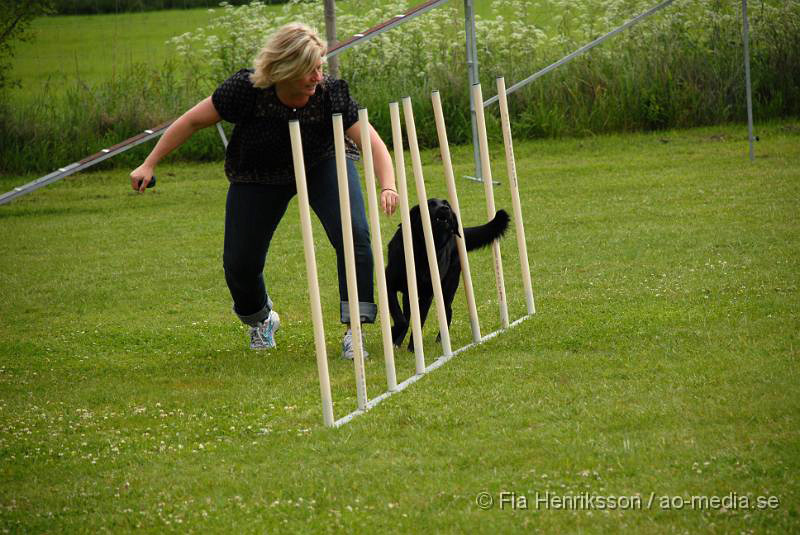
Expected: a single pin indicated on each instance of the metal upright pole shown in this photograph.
(746, 39)
(330, 35)
(472, 71)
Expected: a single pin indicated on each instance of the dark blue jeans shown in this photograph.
(252, 214)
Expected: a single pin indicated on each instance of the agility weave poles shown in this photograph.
(365, 404)
(449, 177)
(486, 171)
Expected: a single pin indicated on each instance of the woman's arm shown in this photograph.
(383, 166)
(203, 114)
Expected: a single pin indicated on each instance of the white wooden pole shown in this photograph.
(451, 192)
(350, 260)
(311, 272)
(427, 228)
(490, 209)
(408, 247)
(511, 168)
(377, 249)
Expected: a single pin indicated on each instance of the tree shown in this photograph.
(330, 35)
(15, 20)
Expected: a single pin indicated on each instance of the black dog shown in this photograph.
(445, 230)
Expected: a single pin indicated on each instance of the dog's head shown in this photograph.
(443, 219)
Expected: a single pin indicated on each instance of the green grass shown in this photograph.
(93, 48)
(662, 358)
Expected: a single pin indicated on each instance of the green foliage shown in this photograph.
(663, 357)
(681, 67)
(92, 7)
(15, 20)
(67, 125)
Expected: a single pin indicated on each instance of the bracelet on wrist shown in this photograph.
(388, 189)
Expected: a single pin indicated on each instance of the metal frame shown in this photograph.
(636, 20)
(158, 130)
(473, 74)
(746, 43)
(89, 161)
(583, 49)
(384, 26)
(474, 78)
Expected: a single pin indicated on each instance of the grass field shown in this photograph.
(661, 363)
(92, 47)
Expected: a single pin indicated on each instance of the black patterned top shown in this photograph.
(260, 149)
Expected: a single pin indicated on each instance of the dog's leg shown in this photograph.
(449, 288)
(424, 306)
(401, 321)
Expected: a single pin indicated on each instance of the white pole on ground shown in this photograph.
(486, 171)
(408, 246)
(311, 272)
(377, 250)
(427, 228)
(451, 193)
(350, 260)
(511, 167)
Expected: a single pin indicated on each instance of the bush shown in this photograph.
(84, 7)
(682, 67)
(62, 127)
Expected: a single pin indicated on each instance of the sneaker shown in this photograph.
(347, 345)
(262, 336)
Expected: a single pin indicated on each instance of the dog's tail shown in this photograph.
(483, 235)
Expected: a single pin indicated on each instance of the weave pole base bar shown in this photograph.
(438, 363)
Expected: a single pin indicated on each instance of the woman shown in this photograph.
(286, 83)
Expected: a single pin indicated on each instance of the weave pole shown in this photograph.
(511, 168)
(350, 261)
(427, 228)
(413, 302)
(408, 247)
(449, 178)
(377, 249)
(486, 172)
(311, 272)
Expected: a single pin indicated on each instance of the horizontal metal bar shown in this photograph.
(580, 51)
(384, 26)
(157, 131)
(83, 164)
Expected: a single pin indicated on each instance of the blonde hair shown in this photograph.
(293, 51)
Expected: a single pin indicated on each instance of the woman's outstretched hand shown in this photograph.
(389, 199)
(140, 177)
